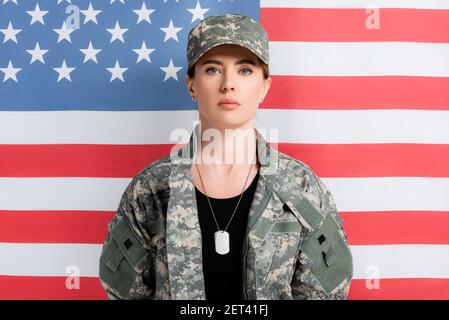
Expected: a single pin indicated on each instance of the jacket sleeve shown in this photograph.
(126, 270)
(324, 265)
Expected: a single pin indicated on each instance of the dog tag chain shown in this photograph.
(221, 237)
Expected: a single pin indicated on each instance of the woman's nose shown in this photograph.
(228, 83)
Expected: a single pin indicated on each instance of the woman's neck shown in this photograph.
(226, 150)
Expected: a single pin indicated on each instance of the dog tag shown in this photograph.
(221, 242)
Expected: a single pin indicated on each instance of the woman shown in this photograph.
(226, 216)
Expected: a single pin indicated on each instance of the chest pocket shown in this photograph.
(122, 259)
(274, 260)
(329, 254)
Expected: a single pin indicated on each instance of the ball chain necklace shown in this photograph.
(221, 237)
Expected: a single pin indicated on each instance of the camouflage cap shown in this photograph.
(227, 29)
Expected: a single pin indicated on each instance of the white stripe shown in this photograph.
(23, 259)
(359, 59)
(386, 261)
(102, 194)
(357, 126)
(401, 261)
(105, 127)
(415, 4)
(295, 126)
(350, 194)
(395, 193)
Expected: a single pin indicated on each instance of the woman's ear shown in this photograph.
(266, 88)
(189, 84)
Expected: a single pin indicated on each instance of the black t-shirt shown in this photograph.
(223, 273)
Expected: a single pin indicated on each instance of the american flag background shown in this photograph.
(91, 90)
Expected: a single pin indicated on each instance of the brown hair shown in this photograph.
(265, 69)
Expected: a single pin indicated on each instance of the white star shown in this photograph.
(90, 53)
(171, 31)
(59, 1)
(117, 72)
(91, 14)
(37, 15)
(64, 72)
(112, 1)
(64, 33)
(144, 53)
(117, 33)
(10, 33)
(10, 72)
(144, 13)
(170, 71)
(198, 12)
(166, 1)
(5, 1)
(37, 54)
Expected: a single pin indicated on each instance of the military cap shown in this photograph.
(227, 29)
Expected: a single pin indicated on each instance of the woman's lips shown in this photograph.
(229, 106)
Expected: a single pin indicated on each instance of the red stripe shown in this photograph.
(299, 24)
(372, 160)
(396, 227)
(327, 160)
(54, 226)
(362, 228)
(358, 93)
(54, 288)
(400, 289)
(49, 288)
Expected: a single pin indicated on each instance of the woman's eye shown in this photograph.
(250, 71)
(211, 68)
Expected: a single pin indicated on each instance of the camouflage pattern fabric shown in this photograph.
(227, 29)
(295, 246)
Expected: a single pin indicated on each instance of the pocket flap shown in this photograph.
(265, 227)
(286, 226)
(329, 254)
(131, 248)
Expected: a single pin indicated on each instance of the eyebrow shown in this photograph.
(242, 61)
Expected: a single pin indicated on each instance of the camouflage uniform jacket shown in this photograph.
(294, 247)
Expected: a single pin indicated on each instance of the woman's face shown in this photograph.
(228, 72)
